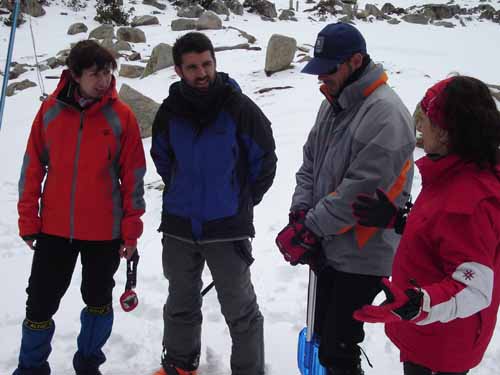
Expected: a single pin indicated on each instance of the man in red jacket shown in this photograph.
(86, 144)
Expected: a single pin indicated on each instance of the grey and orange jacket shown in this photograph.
(362, 141)
(93, 164)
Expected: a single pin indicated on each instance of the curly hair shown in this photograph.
(474, 121)
(87, 53)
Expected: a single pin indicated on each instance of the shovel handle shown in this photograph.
(311, 305)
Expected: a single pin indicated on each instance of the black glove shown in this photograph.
(375, 212)
(380, 212)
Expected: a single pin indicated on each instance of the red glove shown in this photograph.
(297, 243)
(297, 215)
(399, 305)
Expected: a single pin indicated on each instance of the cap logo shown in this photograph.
(318, 48)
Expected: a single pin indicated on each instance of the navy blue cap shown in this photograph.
(335, 44)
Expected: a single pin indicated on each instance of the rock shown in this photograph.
(103, 32)
(361, 14)
(262, 7)
(250, 38)
(17, 70)
(388, 8)
(161, 57)
(372, 10)
(287, 15)
(108, 43)
(145, 21)
(228, 48)
(181, 24)
(143, 107)
(218, 7)
(131, 71)
(131, 34)
(31, 7)
(234, 6)
(444, 24)
(122, 45)
(77, 28)
(134, 56)
(155, 4)
(209, 21)
(394, 21)
(305, 58)
(192, 11)
(280, 53)
(19, 86)
(416, 18)
(440, 11)
(53, 62)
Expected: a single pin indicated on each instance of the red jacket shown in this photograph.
(451, 248)
(94, 164)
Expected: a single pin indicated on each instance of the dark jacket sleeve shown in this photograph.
(257, 137)
(161, 152)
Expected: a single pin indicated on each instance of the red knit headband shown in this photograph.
(433, 103)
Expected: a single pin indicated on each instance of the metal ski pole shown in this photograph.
(15, 14)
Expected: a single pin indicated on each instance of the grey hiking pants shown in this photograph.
(183, 264)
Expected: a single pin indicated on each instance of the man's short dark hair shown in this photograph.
(191, 42)
(87, 53)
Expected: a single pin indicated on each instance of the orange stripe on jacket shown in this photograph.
(379, 82)
(362, 233)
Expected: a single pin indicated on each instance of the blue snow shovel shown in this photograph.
(308, 345)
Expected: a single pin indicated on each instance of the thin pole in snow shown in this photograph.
(9, 58)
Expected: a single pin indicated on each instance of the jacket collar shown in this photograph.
(373, 77)
(433, 170)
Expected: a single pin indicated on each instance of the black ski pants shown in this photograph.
(414, 369)
(53, 264)
(338, 295)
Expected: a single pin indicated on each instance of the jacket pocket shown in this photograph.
(244, 250)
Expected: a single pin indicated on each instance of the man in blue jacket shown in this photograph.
(214, 149)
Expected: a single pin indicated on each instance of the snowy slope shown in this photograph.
(415, 57)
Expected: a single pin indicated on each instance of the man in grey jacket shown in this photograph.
(363, 139)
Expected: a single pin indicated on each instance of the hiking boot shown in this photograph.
(172, 370)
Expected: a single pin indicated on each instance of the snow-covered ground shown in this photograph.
(415, 56)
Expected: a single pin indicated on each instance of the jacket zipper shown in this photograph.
(73, 181)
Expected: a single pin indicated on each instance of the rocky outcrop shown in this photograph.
(143, 107)
(280, 53)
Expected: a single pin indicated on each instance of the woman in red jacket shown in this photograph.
(443, 299)
(80, 195)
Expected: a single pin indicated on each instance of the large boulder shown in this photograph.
(103, 32)
(143, 107)
(440, 11)
(192, 11)
(19, 86)
(182, 24)
(131, 34)
(234, 6)
(218, 7)
(144, 21)
(131, 71)
(155, 4)
(418, 18)
(77, 28)
(209, 21)
(31, 7)
(161, 57)
(280, 53)
(262, 7)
